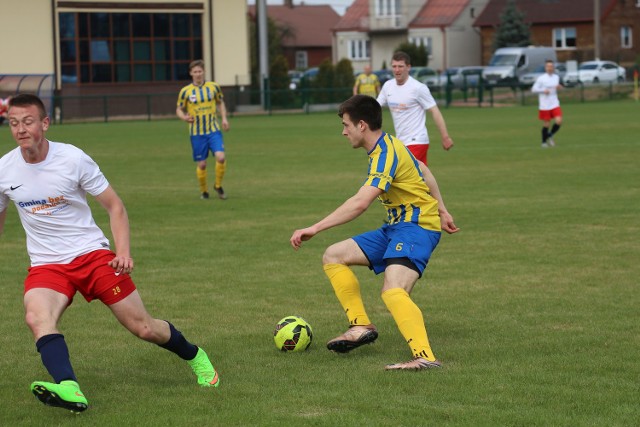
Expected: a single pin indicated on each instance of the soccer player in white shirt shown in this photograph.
(48, 183)
(407, 99)
(546, 86)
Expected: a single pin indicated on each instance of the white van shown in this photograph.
(509, 63)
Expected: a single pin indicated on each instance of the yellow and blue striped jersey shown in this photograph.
(393, 169)
(367, 84)
(200, 103)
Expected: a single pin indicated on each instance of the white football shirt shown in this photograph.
(548, 82)
(408, 103)
(51, 199)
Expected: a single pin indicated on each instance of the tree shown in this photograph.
(419, 54)
(324, 80)
(279, 81)
(512, 30)
(343, 76)
(276, 35)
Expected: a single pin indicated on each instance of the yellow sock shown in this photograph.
(347, 289)
(220, 169)
(409, 319)
(202, 179)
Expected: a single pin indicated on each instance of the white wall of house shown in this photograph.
(464, 41)
(383, 47)
(342, 50)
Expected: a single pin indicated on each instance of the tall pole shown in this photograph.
(262, 48)
(596, 29)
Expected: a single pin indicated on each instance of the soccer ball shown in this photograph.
(292, 333)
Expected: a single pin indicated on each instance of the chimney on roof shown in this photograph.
(288, 3)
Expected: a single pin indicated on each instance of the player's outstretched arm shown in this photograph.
(349, 210)
(438, 119)
(446, 220)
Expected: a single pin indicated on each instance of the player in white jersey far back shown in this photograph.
(546, 86)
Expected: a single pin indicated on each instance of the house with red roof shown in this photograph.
(569, 26)
(308, 28)
(369, 31)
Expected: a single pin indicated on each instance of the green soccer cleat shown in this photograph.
(65, 395)
(204, 370)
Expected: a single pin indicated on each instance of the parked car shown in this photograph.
(530, 78)
(383, 75)
(596, 72)
(309, 76)
(509, 63)
(294, 78)
(459, 76)
(425, 75)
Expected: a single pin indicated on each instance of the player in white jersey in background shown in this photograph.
(546, 86)
(408, 99)
(48, 183)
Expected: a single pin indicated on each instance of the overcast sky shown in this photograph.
(339, 5)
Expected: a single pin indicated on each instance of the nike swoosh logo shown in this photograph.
(79, 394)
(16, 187)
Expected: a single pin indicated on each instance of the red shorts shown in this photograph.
(547, 115)
(419, 151)
(88, 274)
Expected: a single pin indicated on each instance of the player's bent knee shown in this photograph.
(333, 255)
(37, 322)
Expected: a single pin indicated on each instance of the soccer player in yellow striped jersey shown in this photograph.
(401, 248)
(198, 104)
(367, 83)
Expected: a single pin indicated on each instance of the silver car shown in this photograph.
(530, 78)
(459, 76)
(425, 75)
(596, 72)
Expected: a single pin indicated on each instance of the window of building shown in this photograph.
(388, 7)
(128, 47)
(422, 41)
(359, 49)
(564, 38)
(626, 37)
(302, 60)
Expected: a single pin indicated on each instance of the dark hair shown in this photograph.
(549, 60)
(26, 100)
(196, 63)
(362, 107)
(402, 56)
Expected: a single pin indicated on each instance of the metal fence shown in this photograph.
(308, 100)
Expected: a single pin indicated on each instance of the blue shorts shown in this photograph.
(202, 144)
(403, 240)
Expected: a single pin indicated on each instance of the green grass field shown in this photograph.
(532, 307)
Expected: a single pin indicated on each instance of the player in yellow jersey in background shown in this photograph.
(198, 104)
(401, 248)
(367, 83)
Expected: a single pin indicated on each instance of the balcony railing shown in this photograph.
(387, 23)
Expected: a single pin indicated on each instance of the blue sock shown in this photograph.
(179, 345)
(55, 357)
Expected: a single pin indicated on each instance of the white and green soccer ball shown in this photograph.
(293, 333)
